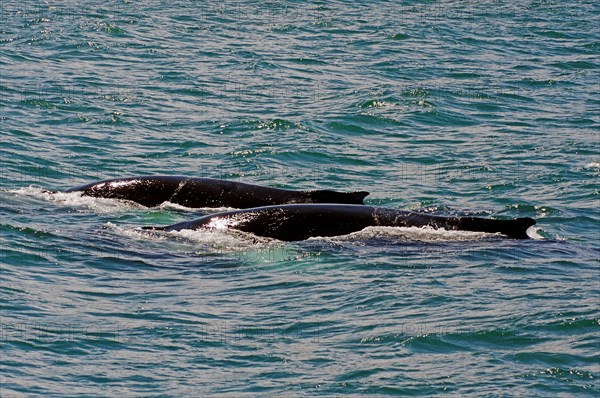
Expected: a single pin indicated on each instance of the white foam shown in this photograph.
(222, 238)
(422, 234)
(534, 233)
(204, 240)
(137, 233)
(227, 238)
(175, 206)
(75, 199)
(31, 191)
(233, 244)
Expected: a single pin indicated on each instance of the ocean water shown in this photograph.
(488, 108)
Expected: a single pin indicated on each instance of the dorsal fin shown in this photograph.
(328, 196)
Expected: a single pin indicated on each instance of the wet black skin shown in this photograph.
(302, 221)
(207, 192)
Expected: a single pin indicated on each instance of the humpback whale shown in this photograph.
(295, 222)
(207, 192)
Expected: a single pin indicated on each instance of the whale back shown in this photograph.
(151, 191)
(302, 221)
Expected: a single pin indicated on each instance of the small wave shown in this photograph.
(373, 103)
(593, 165)
(540, 211)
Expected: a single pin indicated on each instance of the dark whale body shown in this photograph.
(207, 192)
(302, 221)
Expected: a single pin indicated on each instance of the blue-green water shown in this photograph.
(489, 108)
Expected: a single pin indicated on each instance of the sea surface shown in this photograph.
(486, 108)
